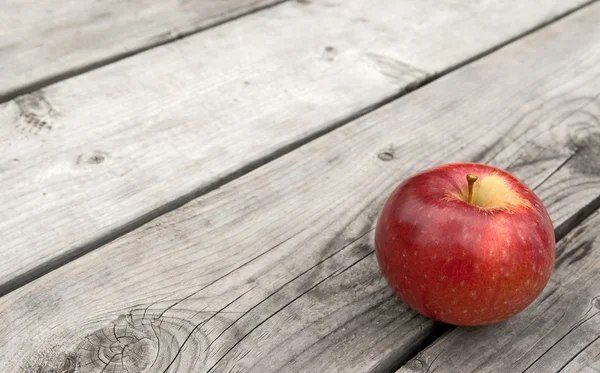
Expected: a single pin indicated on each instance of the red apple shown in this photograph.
(461, 260)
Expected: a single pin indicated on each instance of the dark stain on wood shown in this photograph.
(36, 114)
(329, 53)
(66, 363)
(586, 159)
(94, 158)
(576, 254)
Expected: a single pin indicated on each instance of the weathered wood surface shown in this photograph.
(275, 271)
(559, 332)
(91, 158)
(42, 41)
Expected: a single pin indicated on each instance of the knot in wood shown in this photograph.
(415, 365)
(386, 155)
(142, 342)
(122, 346)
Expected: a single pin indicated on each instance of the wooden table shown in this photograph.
(192, 185)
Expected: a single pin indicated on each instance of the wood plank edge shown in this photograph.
(161, 40)
(75, 71)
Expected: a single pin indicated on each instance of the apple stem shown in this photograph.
(471, 179)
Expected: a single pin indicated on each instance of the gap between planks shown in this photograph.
(173, 36)
(60, 260)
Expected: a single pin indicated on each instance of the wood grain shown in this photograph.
(45, 41)
(274, 271)
(559, 332)
(93, 157)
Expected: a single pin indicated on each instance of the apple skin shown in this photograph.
(459, 263)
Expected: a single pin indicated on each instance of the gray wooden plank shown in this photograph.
(93, 157)
(275, 271)
(45, 41)
(559, 332)
(513, 345)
